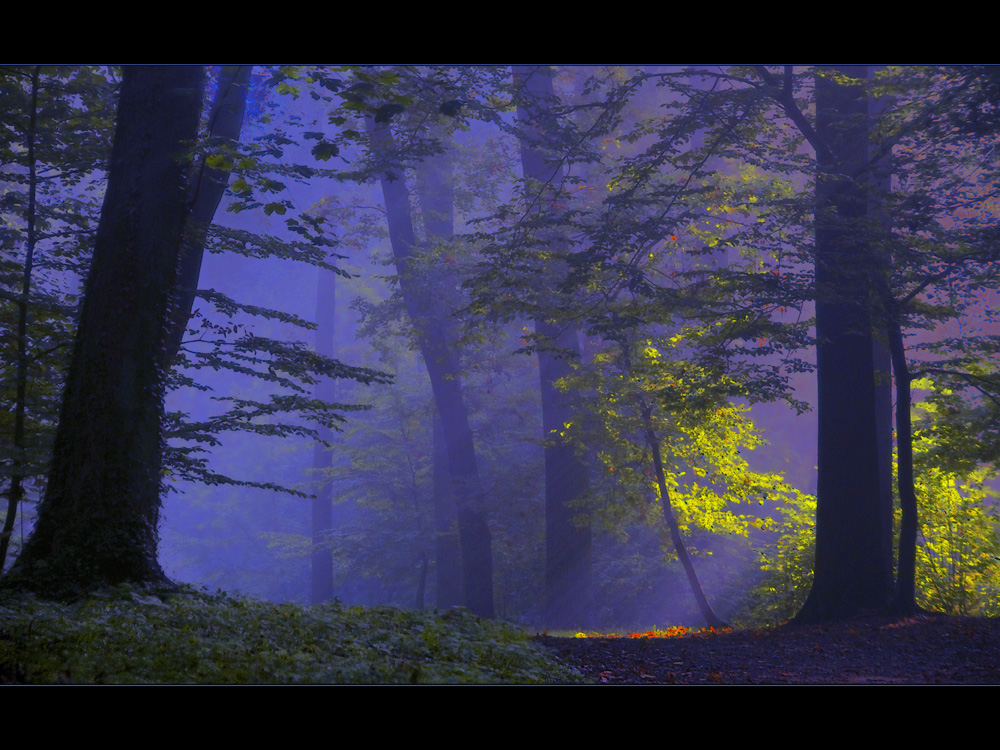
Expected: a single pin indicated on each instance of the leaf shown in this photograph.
(240, 186)
(325, 150)
(451, 108)
(387, 111)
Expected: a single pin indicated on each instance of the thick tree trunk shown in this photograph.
(568, 568)
(853, 530)
(97, 523)
(420, 296)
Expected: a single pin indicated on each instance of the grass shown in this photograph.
(126, 635)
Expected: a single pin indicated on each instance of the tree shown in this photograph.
(945, 243)
(321, 562)
(917, 270)
(225, 122)
(635, 254)
(220, 336)
(853, 567)
(568, 576)
(853, 523)
(653, 441)
(47, 208)
(97, 523)
(423, 297)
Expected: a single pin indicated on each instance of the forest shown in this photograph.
(579, 348)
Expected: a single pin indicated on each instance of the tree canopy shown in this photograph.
(580, 311)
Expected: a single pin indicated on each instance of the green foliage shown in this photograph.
(958, 545)
(56, 131)
(958, 549)
(786, 548)
(682, 226)
(134, 636)
(703, 438)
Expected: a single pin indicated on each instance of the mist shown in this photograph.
(445, 313)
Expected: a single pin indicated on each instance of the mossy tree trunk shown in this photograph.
(97, 523)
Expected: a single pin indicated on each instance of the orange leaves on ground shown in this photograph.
(673, 632)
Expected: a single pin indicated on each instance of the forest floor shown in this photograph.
(922, 650)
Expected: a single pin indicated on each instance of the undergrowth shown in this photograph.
(127, 635)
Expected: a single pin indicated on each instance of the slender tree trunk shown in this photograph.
(435, 195)
(880, 180)
(17, 476)
(97, 523)
(904, 601)
(905, 596)
(894, 350)
(711, 619)
(569, 596)
(420, 295)
(568, 566)
(853, 571)
(447, 547)
(321, 559)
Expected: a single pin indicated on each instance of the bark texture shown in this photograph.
(224, 127)
(853, 572)
(97, 523)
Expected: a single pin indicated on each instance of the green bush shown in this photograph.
(128, 635)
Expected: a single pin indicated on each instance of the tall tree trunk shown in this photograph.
(97, 523)
(225, 123)
(568, 567)
(447, 547)
(894, 350)
(904, 600)
(17, 475)
(853, 571)
(435, 196)
(694, 583)
(420, 294)
(569, 595)
(321, 560)
(880, 181)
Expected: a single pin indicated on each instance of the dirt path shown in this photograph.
(924, 650)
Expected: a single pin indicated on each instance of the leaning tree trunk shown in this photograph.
(694, 583)
(420, 295)
(434, 187)
(97, 523)
(225, 123)
(447, 544)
